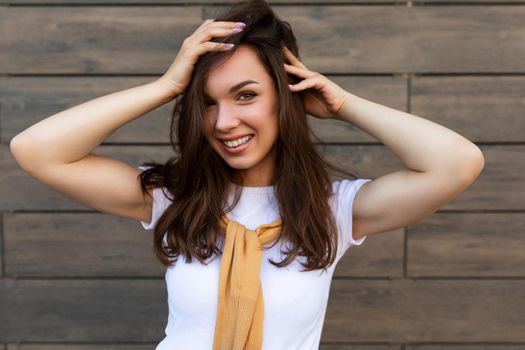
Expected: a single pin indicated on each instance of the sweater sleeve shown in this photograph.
(346, 191)
(160, 203)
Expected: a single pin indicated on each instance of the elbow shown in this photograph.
(20, 153)
(14, 148)
(473, 163)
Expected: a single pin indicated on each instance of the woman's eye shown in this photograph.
(248, 93)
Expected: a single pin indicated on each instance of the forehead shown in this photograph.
(244, 64)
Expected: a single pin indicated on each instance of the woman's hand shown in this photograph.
(325, 99)
(178, 75)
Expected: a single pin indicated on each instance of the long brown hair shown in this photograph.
(198, 178)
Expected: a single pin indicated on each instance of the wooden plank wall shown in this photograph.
(74, 278)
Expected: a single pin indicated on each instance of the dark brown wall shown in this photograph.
(74, 278)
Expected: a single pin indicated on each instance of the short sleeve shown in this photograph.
(346, 191)
(160, 203)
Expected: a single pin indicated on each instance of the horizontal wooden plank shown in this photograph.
(99, 245)
(211, 2)
(94, 39)
(35, 195)
(363, 39)
(181, 2)
(379, 256)
(2, 238)
(176, 2)
(149, 347)
(470, 244)
(467, 105)
(78, 244)
(497, 187)
(80, 347)
(384, 39)
(27, 100)
(82, 310)
(500, 185)
(358, 311)
(404, 310)
(465, 347)
(483, 109)
(358, 347)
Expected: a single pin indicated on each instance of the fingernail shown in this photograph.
(240, 24)
(228, 46)
(237, 30)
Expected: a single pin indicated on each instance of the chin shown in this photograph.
(238, 164)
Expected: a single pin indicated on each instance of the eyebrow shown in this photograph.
(241, 84)
(238, 86)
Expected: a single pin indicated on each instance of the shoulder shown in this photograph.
(345, 190)
(161, 199)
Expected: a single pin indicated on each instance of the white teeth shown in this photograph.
(238, 142)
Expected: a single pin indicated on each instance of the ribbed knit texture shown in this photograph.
(240, 312)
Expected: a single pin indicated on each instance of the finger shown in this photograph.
(211, 23)
(291, 58)
(303, 85)
(210, 33)
(300, 72)
(212, 46)
(203, 24)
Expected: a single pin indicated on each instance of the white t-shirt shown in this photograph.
(294, 301)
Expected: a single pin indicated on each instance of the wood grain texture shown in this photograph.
(74, 278)
(94, 39)
(334, 39)
(465, 347)
(99, 245)
(470, 244)
(149, 347)
(27, 100)
(182, 2)
(78, 244)
(379, 256)
(210, 2)
(80, 347)
(358, 347)
(54, 310)
(481, 108)
(495, 188)
(406, 310)
(358, 311)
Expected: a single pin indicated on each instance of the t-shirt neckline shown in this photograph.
(254, 190)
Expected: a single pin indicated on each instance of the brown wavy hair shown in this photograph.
(198, 178)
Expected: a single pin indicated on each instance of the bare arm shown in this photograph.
(72, 134)
(440, 165)
(56, 150)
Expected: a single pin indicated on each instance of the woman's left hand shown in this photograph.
(325, 99)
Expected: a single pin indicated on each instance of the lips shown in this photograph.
(239, 148)
(232, 138)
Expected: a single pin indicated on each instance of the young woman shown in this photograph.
(247, 201)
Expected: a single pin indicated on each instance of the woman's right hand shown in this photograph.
(178, 75)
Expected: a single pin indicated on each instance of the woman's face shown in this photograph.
(242, 101)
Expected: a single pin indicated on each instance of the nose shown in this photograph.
(226, 118)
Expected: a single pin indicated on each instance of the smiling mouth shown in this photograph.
(237, 143)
